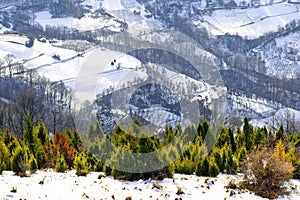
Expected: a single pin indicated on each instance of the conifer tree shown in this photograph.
(218, 159)
(291, 156)
(280, 134)
(203, 167)
(248, 133)
(98, 131)
(258, 136)
(29, 136)
(204, 130)
(42, 133)
(213, 168)
(239, 139)
(63, 147)
(185, 166)
(61, 165)
(232, 142)
(41, 145)
(10, 141)
(76, 141)
(81, 165)
(19, 160)
(95, 132)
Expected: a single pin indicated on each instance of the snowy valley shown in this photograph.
(150, 63)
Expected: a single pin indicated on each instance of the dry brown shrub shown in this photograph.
(266, 171)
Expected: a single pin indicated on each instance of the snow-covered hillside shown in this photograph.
(250, 19)
(60, 64)
(52, 185)
(282, 56)
(250, 23)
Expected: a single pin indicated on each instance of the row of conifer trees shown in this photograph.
(194, 150)
(37, 150)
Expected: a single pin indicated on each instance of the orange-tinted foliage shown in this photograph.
(63, 147)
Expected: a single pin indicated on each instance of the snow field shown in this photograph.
(52, 185)
(86, 23)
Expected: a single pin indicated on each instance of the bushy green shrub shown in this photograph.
(81, 165)
(202, 168)
(185, 166)
(19, 161)
(213, 169)
(61, 165)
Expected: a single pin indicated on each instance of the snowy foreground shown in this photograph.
(52, 185)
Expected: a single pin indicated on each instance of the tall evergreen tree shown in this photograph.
(29, 136)
(232, 142)
(42, 133)
(280, 133)
(203, 167)
(19, 160)
(248, 133)
(259, 135)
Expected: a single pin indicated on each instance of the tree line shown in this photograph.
(24, 93)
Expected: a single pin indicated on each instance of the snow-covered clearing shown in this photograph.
(260, 106)
(52, 185)
(110, 5)
(86, 23)
(252, 22)
(133, 13)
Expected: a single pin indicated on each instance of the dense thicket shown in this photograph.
(231, 147)
(36, 150)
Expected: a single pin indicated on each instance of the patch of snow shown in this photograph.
(257, 105)
(86, 23)
(114, 5)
